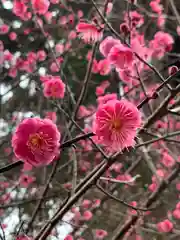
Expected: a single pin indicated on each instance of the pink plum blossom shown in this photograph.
(100, 234)
(104, 67)
(19, 8)
(116, 124)
(104, 99)
(121, 57)
(54, 87)
(176, 213)
(107, 44)
(40, 6)
(89, 32)
(25, 180)
(68, 237)
(165, 226)
(36, 141)
(101, 89)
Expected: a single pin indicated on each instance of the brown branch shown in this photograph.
(152, 198)
(122, 201)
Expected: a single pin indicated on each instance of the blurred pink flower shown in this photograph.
(161, 44)
(129, 76)
(54, 88)
(104, 67)
(52, 116)
(86, 203)
(176, 213)
(40, 6)
(109, 7)
(89, 32)
(167, 160)
(12, 36)
(19, 8)
(25, 180)
(178, 186)
(107, 44)
(36, 141)
(165, 226)
(156, 7)
(134, 19)
(87, 215)
(104, 99)
(100, 234)
(41, 55)
(68, 237)
(116, 124)
(102, 87)
(121, 57)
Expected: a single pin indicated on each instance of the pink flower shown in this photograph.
(178, 205)
(100, 234)
(152, 187)
(41, 55)
(40, 6)
(36, 141)
(161, 21)
(101, 89)
(116, 124)
(178, 186)
(121, 56)
(165, 226)
(129, 76)
(107, 44)
(109, 7)
(52, 116)
(59, 48)
(104, 99)
(161, 43)
(176, 213)
(26, 180)
(19, 8)
(72, 35)
(95, 67)
(104, 67)
(83, 112)
(4, 28)
(167, 160)
(164, 40)
(80, 14)
(132, 211)
(68, 237)
(54, 67)
(138, 237)
(87, 215)
(54, 88)
(86, 203)
(97, 203)
(134, 19)
(156, 7)
(13, 36)
(178, 30)
(89, 32)
(116, 167)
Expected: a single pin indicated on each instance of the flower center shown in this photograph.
(116, 124)
(35, 141)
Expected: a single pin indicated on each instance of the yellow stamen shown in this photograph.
(35, 141)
